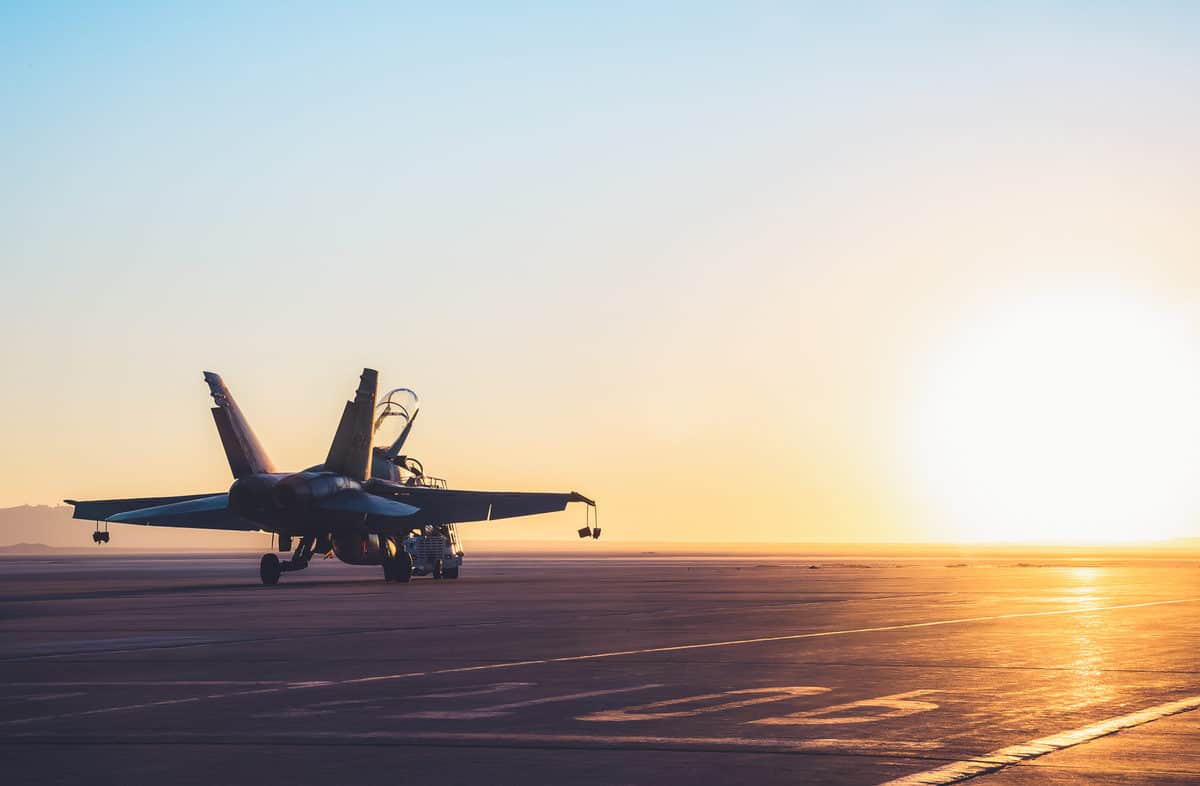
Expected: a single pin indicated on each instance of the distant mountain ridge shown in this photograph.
(43, 525)
(32, 548)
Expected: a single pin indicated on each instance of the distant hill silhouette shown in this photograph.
(32, 548)
(42, 525)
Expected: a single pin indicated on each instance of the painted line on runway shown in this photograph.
(143, 683)
(691, 706)
(45, 696)
(853, 746)
(799, 636)
(1015, 754)
(164, 703)
(602, 655)
(499, 710)
(827, 745)
(475, 690)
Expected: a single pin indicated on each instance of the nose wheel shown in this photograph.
(270, 569)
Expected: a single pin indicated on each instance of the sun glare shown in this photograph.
(1072, 418)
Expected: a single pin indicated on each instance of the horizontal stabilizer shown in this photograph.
(101, 509)
(177, 511)
(191, 511)
(362, 502)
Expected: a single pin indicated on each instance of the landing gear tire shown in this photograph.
(437, 569)
(450, 573)
(398, 568)
(269, 569)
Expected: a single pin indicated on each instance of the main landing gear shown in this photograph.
(270, 568)
(398, 568)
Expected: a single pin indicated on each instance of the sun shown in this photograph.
(1068, 418)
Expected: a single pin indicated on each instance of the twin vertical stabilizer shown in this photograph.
(244, 451)
(350, 453)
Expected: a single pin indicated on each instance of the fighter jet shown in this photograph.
(366, 505)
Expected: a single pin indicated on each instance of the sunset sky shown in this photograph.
(750, 272)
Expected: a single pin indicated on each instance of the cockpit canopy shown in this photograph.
(393, 418)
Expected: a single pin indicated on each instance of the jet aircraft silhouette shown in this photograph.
(367, 505)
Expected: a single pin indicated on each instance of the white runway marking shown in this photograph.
(294, 713)
(498, 710)
(818, 635)
(850, 745)
(686, 706)
(897, 705)
(1015, 754)
(613, 654)
(829, 745)
(343, 703)
(479, 690)
(142, 683)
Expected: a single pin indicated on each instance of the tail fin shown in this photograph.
(245, 453)
(350, 453)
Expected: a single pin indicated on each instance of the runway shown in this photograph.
(630, 670)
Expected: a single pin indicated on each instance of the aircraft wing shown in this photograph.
(195, 511)
(450, 506)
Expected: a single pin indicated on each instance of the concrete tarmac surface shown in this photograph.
(621, 670)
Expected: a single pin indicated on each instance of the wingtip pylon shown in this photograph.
(577, 497)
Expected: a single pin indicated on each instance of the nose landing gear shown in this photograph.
(100, 535)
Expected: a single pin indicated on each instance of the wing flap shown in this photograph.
(450, 506)
(513, 504)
